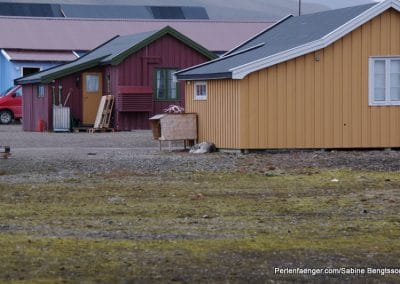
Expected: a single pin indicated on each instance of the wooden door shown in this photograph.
(91, 94)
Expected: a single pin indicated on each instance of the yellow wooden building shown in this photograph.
(324, 80)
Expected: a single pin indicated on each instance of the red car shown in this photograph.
(11, 104)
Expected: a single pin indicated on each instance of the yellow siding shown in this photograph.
(319, 100)
(311, 103)
(218, 116)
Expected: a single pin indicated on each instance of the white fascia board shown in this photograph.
(242, 71)
(217, 59)
(5, 54)
(76, 54)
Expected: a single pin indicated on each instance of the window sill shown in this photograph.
(385, 104)
(200, 98)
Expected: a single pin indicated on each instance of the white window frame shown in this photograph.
(41, 91)
(387, 101)
(196, 96)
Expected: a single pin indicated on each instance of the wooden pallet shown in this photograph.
(103, 117)
(104, 112)
(92, 130)
(81, 129)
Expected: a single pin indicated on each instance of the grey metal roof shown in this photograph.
(111, 52)
(163, 12)
(199, 13)
(101, 55)
(106, 11)
(102, 11)
(291, 33)
(29, 10)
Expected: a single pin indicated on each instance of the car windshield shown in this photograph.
(3, 93)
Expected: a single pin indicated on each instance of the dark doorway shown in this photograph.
(29, 70)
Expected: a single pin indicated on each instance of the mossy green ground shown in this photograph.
(125, 227)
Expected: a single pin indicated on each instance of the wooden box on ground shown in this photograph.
(170, 127)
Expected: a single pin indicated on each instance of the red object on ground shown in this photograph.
(40, 125)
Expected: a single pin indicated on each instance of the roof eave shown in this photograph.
(52, 76)
(242, 71)
(25, 82)
(198, 77)
(74, 69)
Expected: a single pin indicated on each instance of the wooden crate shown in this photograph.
(171, 127)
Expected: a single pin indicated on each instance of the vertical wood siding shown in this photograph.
(218, 116)
(136, 70)
(306, 103)
(35, 108)
(139, 69)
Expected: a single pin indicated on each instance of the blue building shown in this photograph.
(18, 63)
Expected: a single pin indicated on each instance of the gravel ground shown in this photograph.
(38, 157)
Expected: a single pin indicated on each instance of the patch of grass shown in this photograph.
(123, 226)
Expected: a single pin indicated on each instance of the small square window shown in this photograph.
(41, 91)
(92, 83)
(200, 91)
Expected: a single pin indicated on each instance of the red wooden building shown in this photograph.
(136, 69)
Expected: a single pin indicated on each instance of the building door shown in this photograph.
(92, 92)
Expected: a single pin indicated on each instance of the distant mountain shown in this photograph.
(229, 9)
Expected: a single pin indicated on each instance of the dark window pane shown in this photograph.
(166, 88)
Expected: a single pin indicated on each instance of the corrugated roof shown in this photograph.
(106, 11)
(78, 34)
(29, 9)
(101, 11)
(195, 13)
(291, 33)
(111, 52)
(33, 55)
(164, 12)
(132, 12)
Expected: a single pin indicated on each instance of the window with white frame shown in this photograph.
(40, 91)
(384, 81)
(200, 91)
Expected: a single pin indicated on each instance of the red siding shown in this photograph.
(139, 68)
(34, 108)
(136, 72)
(72, 83)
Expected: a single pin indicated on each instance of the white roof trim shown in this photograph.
(75, 53)
(5, 54)
(218, 59)
(256, 35)
(242, 71)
